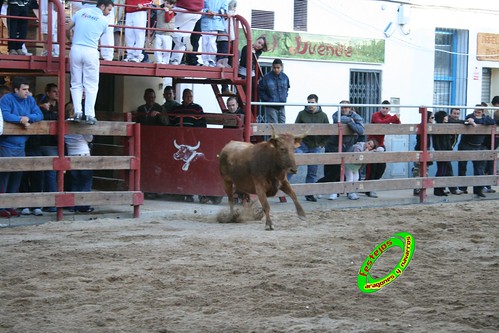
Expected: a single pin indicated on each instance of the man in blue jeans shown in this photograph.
(18, 107)
(312, 144)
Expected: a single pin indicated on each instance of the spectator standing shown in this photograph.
(375, 171)
(454, 118)
(346, 116)
(164, 40)
(89, 24)
(81, 180)
(489, 164)
(44, 12)
(474, 142)
(227, 37)
(149, 113)
(187, 14)
(442, 142)
(312, 144)
(49, 105)
(192, 58)
(258, 47)
(416, 170)
(274, 87)
(212, 22)
(18, 107)
(32, 181)
(136, 16)
(18, 27)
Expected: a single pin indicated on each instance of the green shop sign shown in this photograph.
(320, 47)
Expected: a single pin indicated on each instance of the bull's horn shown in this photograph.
(273, 131)
(175, 144)
(197, 146)
(303, 135)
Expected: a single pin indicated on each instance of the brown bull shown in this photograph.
(260, 169)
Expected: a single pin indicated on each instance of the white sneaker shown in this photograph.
(37, 212)
(333, 196)
(353, 196)
(25, 211)
(174, 62)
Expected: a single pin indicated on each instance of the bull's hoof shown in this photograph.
(269, 228)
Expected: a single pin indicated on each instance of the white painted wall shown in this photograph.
(409, 53)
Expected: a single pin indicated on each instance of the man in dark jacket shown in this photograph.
(443, 142)
(312, 144)
(273, 87)
(474, 142)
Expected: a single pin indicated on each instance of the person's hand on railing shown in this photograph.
(25, 122)
(470, 121)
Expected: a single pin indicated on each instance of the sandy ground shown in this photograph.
(192, 274)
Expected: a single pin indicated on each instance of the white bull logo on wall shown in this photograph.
(187, 154)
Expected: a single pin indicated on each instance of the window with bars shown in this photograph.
(300, 15)
(451, 67)
(365, 88)
(262, 19)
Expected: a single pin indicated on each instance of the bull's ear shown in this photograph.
(272, 142)
(298, 142)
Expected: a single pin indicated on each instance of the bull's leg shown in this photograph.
(262, 196)
(286, 188)
(229, 190)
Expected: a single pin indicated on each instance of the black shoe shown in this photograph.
(189, 198)
(465, 191)
(440, 193)
(416, 192)
(310, 198)
(480, 194)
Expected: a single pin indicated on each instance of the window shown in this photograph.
(262, 19)
(300, 15)
(451, 67)
(365, 88)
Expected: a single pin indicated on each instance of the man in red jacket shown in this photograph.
(375, 171)
(184, 21)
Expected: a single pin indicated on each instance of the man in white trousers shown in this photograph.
(184, 21)
(89, 24)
